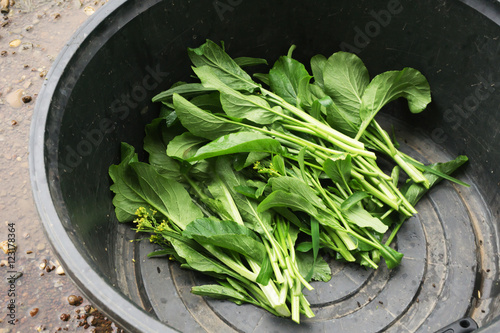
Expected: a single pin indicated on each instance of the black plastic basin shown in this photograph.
(99, 92)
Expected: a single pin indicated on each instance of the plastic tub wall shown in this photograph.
(99, 92)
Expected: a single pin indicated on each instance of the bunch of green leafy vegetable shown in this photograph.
(251, 184)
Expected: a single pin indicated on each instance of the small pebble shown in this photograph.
(75, 300)
(15, 43)
(4, 4)
(89, 10)
(29, 252)
(15, 98)
(4, 262)
(14, 123)
(60, 271)
(92, 320)
(8, 248)
(26, 46)
(65, 317)
(3, 53)
(26, 99)
(87, 308)
(34, 312)
(43, 265)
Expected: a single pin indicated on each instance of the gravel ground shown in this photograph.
(35, 294)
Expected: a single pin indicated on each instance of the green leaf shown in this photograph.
(318, 63)
(388, 86)
(285, 78)
(201, 170)
(279, 164)
(249, 61)
(345, 79)
(184, 146)
(414, 191)
(342, 120)
(223, 66)
(228, 235)
(394, 139)
(435, 172)
(247, 207)
(260, 187)
(338, 168)
(354, 199)
(126, 199)
(316, 109)
(289, 215)
(315, 237)
(305, 95)
(167, 196)
(251, 107)
(289, 200)
(301, 161)
(297, 187)
(236, 285)
(187, 90)
(168, 113)
(236, 104)
(201, 123)
(391, 256)
(395, 175)
(155, 143)
(246, 191)
(320, 269)
(264, 78)
(198, 261)
(244, 160)
(162, 253)
(363, 247)
(266, 272)
(304, 247)
(219, 292)
(360, 217)
(208, 102)
(222, 203)
(237, 143)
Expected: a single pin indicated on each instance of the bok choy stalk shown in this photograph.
(295, 116)
(251, 184)
(214, 239)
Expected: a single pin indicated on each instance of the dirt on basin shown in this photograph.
(35, 293)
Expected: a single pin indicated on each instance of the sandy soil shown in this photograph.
(32, 32)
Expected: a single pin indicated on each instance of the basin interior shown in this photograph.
(103, 97)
